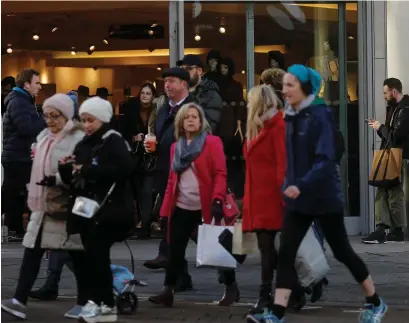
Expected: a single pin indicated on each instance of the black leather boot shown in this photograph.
(264, 300)
(164, 298)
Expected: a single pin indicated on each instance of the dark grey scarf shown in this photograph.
(185, 154)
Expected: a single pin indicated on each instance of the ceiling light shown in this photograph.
(92, 48)
(54, 29)
(153, 25)
(351, 37)
(151, 32)
(9, 50)
(159, 68)
(105, 41)
(243, 72)
(36, 36)
(197, 37)
(73, 51)
(222, 30)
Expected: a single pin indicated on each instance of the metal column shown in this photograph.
(250, 45)
(176, 31)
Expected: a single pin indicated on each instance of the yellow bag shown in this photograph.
(386, 168)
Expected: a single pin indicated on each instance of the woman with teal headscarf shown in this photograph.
(312, 192)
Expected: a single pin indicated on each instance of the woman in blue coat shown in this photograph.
(312, 191)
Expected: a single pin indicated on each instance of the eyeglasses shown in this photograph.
(51, 116)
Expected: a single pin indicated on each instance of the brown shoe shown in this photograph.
(160, 262)
(231, 295)
(164, 298)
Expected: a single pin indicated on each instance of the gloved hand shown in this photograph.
(217, 210)
(48, 181)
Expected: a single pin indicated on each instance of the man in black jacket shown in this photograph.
(205, 92)
(390, 209)
(21, 125)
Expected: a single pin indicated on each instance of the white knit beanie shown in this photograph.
(97, 107)
(61, 102)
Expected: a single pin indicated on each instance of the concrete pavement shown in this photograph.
(389, 265)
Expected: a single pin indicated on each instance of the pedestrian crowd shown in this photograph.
(85, 175)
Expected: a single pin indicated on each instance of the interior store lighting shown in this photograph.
(105, 41)
(36, 36)
(9, 50)
(222, 30)
(243, 72)
(92, 48)
(197, 37)
(159, 68)
(55, 28)
(73, 51)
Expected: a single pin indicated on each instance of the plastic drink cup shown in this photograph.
(150, 142)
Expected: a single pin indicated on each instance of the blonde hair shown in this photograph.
(180, 117)
(261, 98)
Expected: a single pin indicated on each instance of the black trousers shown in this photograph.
(14, 194)
(93, 272)
(295, 227)
(145, 199)
(182, 226)
(31, 266)
(56, 262)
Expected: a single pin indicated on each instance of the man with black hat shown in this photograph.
(205, 92)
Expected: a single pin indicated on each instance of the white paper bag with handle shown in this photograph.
(244, 243)
(311, 263)
(210, 253)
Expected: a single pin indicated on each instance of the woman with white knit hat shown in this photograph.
(100, 160)
(48, 199)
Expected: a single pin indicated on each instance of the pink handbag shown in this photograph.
(230, 209)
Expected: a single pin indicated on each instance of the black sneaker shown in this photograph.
(395, 236)
(375, 237)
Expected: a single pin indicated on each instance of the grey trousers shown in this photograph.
(391, 205)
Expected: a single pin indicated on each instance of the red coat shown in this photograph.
(263, 205)
(211, 170)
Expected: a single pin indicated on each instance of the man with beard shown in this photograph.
(205, 92)
(390, 210)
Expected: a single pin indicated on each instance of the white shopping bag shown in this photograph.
(210, 253)
(244, 243)
(311, 263)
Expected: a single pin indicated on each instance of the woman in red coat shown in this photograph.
(265, 154)
(195, 190)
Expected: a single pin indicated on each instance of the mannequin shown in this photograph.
(232, 124)
(213, 60)
(327, 65)
(230, 89)
(276, 59)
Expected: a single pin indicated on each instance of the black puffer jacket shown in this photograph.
(21, 125)
(207, 96)
(396, 127)
(106, 159)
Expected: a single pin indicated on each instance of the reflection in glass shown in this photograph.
(216, 32)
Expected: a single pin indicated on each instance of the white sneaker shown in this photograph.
(92, 313)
